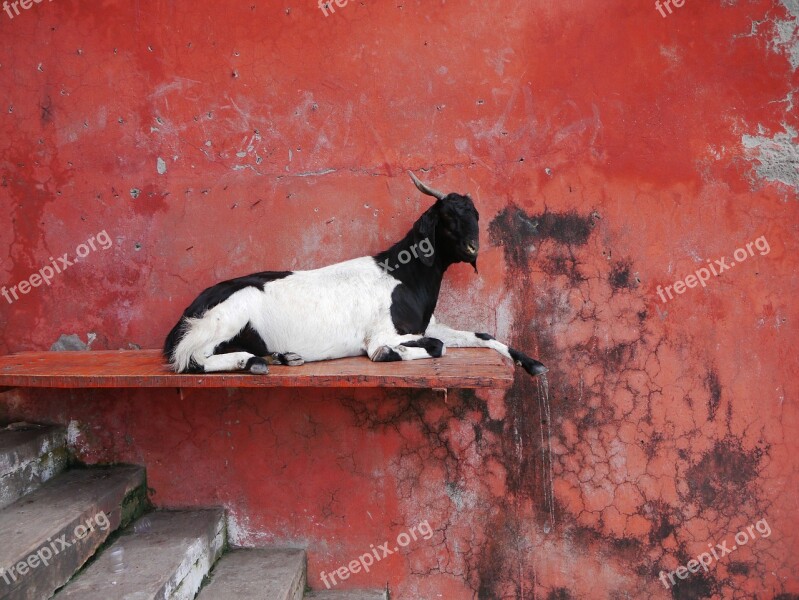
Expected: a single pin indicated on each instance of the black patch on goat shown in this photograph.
(387, 355)
(194, 368)
(257, 365)
(247, 340)
(433, 346)
(412, 307)
(414, 300)
(449, 226)
(210, 297)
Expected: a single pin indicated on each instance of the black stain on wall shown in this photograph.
(714, 387)
(517, 233)
(621, 276)
(721, 479)
(560, 594)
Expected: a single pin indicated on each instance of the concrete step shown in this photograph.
(48, 534)
(251, 573)
(346, 595)
(29, 455)
(163, 556)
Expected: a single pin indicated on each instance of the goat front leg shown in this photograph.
(388, 347)
(467, 339)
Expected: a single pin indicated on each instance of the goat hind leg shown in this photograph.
(235, 361)
(405, 347)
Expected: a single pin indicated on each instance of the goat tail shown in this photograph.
(185, 343)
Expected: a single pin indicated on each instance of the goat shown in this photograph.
(381, 306)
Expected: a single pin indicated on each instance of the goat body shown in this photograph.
(381, 306)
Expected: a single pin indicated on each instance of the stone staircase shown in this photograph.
(89, 534)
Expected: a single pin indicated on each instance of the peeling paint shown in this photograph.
(777, 157)
(74, 434)
(786, 38)
(607, 149)
(72, 342)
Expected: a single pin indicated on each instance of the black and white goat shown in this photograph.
(381, 306)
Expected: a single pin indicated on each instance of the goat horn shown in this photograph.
(425, 189)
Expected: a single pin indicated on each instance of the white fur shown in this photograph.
(455, 338)
(333, 312)
(336, 311)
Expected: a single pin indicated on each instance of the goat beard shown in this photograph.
(474, 264)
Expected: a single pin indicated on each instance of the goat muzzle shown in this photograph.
(472, 248)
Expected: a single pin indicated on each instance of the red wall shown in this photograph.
(610, 150)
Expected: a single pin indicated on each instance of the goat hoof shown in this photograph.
(386, 354)
(289, 359)
(532, 366)
(536, 368)
(257, 366)
(292, 360)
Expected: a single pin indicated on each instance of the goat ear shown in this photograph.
(425, 231)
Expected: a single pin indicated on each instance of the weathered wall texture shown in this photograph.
(610, 150)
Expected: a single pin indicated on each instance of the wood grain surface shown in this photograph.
(459, 368)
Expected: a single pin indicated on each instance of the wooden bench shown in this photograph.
(459, 368)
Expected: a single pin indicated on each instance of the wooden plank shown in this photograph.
(459, 368)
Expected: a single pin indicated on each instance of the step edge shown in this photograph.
(49, 439)
(134, 493)
(296, 586)
(32, 475)
(211, 535)
(133, 481)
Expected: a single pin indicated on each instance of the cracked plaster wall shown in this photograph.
(609, 150)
